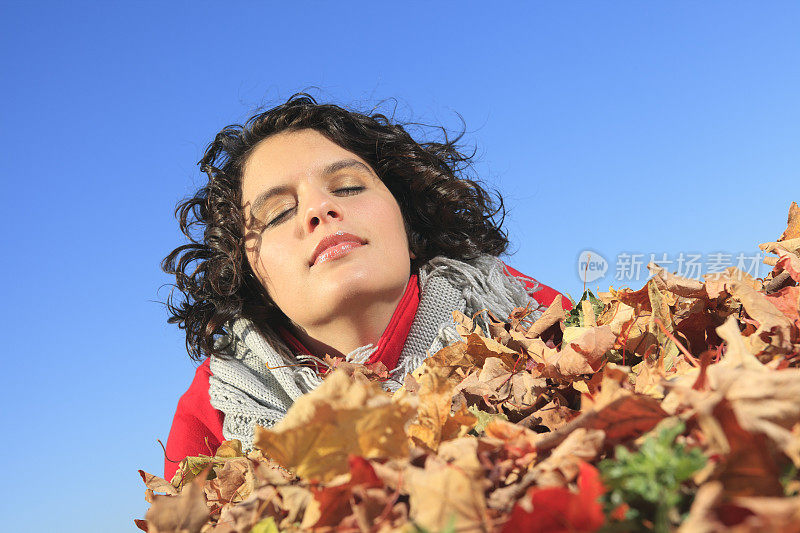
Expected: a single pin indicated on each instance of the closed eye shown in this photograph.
(350, 190)
(347, 191)
(278, 219)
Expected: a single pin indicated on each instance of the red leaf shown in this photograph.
(589, 484)
(362, 473)
(557, 509)
(335, 502)
(620, 512)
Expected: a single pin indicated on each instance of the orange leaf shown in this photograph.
(792, 223)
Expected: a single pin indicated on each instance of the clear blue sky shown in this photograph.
(638, 127)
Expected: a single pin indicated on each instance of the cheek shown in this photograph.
(271, 269)
(387, 221)
(259, 268)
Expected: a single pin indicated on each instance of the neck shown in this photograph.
(355, 326)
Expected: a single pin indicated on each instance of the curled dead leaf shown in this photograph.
(553, 315)
(185, 513)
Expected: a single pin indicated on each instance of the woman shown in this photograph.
(326, 232)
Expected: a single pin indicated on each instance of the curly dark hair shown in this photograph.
(445, 212)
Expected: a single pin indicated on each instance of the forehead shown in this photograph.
(288, 155)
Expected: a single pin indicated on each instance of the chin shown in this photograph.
(351, 280)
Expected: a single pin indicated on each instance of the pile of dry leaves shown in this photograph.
(676, 406)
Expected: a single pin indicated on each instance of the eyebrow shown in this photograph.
(332, 168)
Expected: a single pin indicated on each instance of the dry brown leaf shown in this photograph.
(481, 348)
(434, 421)
(697, 326)
(764, 402)
(562, 465)
(737, 354)
(518, 444)
(702, 517)
(463, 453)
(230, 448)
(558, 469)
(492, 381)
(333, 504)
(584, 355)
(442, 492)
(792, 230)
(660, 305)
(264, 501)
(527, 390)
(748, 468)
(771, 514)
(790, 263)
(609, 385)
(649, 381)
(554, 415)
(341, 417)
(639, 299)
(454, 358)
(666, 281)
(715, 286)
(295, 501)
(627, 416)
(552, 315)
(540, 353)
(789, 245)
(775, 330)
(787, 301)
(629, 326)
(157, 484)
(593, 345)
(369, 508)
(234, 482)
(184, 513)
(465, 326)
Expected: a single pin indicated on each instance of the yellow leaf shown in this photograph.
(230, 448)
(581, 386)
(342, 416)
(434, 422)
(481, 348)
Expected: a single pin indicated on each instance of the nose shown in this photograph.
(321, 206)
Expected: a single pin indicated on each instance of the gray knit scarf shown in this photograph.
(249, 393)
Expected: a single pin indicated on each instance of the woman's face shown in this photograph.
(299, 188)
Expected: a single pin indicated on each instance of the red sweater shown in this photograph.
(197, 426)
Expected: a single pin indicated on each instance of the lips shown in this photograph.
(335, 239)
